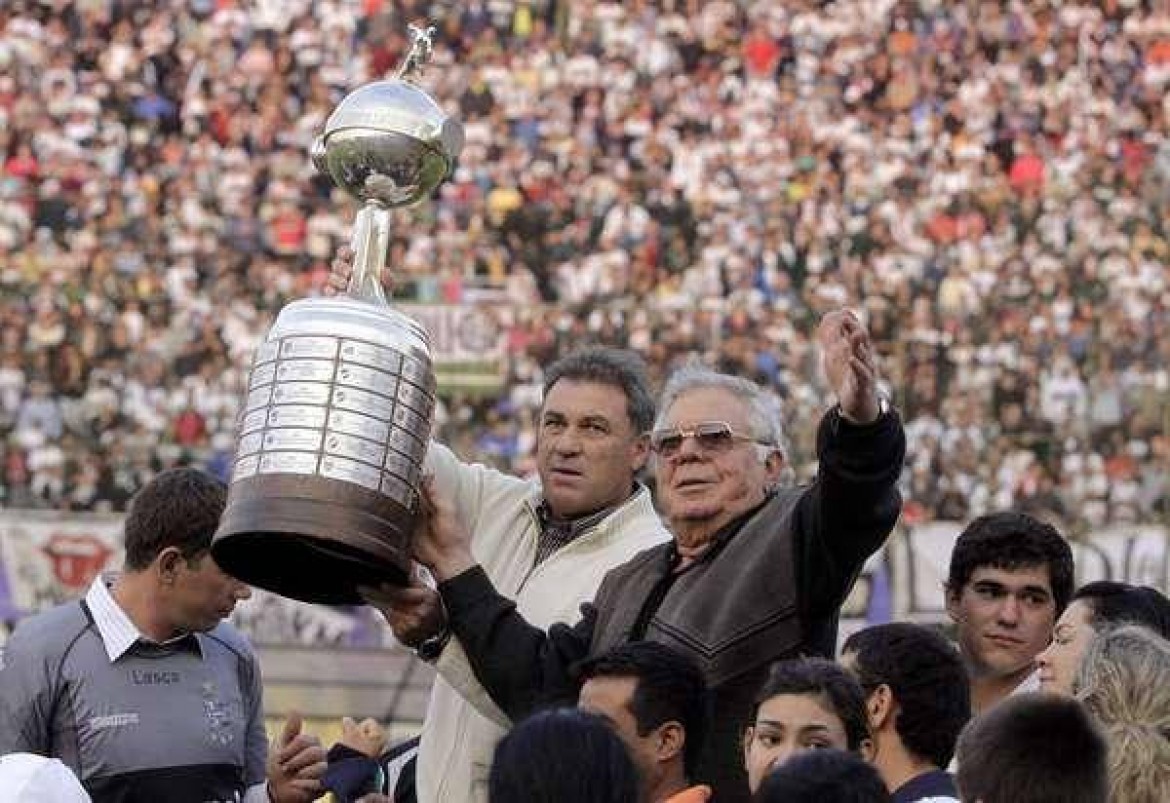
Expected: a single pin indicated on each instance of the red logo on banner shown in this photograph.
(76, 559)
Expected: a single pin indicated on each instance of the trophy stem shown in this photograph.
(371, 241)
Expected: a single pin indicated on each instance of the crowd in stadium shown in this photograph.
(988, 183)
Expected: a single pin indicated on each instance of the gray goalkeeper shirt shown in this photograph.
(135, 720)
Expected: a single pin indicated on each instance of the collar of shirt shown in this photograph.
(557, 532)
(935, 785)
(118, 633)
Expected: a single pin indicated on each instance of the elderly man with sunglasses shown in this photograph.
(756, 572)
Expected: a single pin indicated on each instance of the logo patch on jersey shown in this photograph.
(219, 717)
(113, 721)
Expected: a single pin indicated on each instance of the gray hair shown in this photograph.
(765, 416)
(621, 368)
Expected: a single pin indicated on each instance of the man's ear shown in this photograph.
(881, 707)
(168, 563)
(774, 467)
(640, 452)
(672, 740)
(952, 598)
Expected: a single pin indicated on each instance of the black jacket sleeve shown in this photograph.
(521, 667)
(848, 513)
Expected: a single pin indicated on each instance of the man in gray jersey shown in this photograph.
(141, 688)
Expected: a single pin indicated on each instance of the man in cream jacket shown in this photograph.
(546, 544)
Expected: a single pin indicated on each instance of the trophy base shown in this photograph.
(313, 539)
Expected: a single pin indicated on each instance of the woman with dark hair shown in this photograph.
(1096, 607)
(562, 755)
(805, 704)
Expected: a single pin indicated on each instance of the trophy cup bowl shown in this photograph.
(324, 492)
(388, 142)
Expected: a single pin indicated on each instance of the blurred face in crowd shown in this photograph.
(1004, 618)
(199, 594)
(611, 698)
(785, 725)
(587, 449)
(1070, 640)
(705, 483)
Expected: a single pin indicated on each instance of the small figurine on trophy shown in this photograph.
(325, 484)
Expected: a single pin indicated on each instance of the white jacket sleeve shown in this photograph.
(475, 489)
(453, 666)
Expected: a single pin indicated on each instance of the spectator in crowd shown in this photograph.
(1010, 576)
(655, 698)
(805, 704)
(547, 545)
(779, 560)
(918, 699)
(1033, 748)
(562, 756)
(1124, 684)
(141, 688)
(818, 776)
(1095, 607)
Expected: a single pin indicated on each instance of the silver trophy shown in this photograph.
(324, 490)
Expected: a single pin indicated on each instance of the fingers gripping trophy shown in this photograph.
(325, 484)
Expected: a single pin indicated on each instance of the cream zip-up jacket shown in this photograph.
(462, 723)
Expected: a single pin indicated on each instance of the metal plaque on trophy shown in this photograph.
(325, 485)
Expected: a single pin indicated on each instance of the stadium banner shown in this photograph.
(467, 345)
(48, 558)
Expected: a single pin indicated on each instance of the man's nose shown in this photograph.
(689, 448)
(1009, 609)
(568, 442)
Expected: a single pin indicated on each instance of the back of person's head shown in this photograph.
(823, 776)
(1124, 683)
(1033, 748)
(29, 778)
(1012, 540)
(621, 368)
(829, 683)
(670, 688)
(926, 679)
(1113, 603)
(180, 508)
(562, 756)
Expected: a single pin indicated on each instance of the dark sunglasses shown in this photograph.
(710, 436)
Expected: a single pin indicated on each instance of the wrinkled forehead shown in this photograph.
(707, 404)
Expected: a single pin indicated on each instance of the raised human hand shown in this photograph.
(850, 365)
